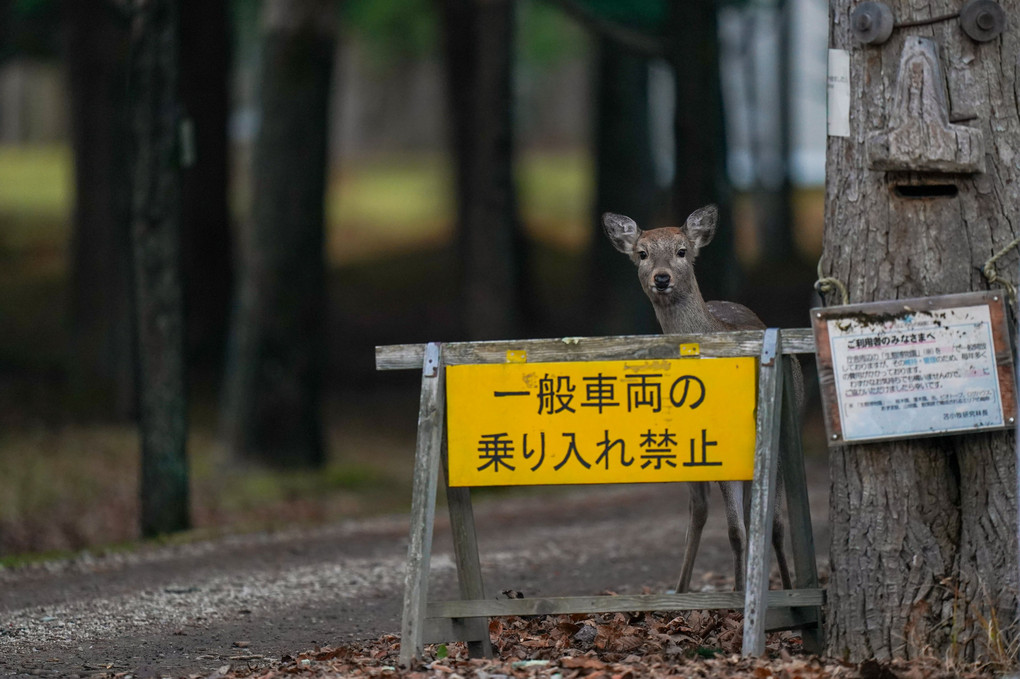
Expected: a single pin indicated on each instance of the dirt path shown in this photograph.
(242, 599)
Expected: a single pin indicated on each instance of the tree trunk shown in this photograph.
(924, 549)
(274, 382)
(701, 178)
(478, 37)
(101, 362)
(208, 270)
(624, 183)
(774, 199)
(156, 234)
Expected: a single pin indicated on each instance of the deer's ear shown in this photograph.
(623, 231)
(701, 224)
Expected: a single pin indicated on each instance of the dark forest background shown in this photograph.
(211, 213)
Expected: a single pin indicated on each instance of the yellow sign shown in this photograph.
(601, 422)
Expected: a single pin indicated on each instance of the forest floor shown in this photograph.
(245, 603)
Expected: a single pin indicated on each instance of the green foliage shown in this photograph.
(545, 35)
(393, 30)
(29, 7)
(29, 28)
(35, 181)
(397, 30)
(647, 15)
(258, 487)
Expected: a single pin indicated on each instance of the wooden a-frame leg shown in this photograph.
(766, 454)
(469, 573)
(431, 418)
(469, 570)
(802, 541)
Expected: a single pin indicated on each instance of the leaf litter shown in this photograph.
(693, 644)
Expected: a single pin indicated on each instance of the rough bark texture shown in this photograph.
(624, 184)
(923, 550)
(156, 235)
(478, 37)
(101, 365)
(273, 403)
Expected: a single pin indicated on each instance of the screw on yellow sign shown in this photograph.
(601, 422)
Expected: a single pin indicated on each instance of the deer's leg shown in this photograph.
(733, 495)
(695, 524)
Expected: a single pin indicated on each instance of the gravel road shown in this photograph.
(190, 609)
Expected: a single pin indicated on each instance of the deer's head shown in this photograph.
(664, 257)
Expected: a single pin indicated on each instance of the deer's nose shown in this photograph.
(661, 280)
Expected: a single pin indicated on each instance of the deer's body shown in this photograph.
(665, 259)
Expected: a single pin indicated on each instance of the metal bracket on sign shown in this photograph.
(768, 346)
(430, 366)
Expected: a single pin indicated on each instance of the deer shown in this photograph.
(665, 262)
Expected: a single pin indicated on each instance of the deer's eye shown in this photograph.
(642, 254)
(682, 252)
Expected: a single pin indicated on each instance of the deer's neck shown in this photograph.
(688, 315)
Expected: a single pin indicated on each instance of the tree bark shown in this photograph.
(478, 38)
(156, 236)
(624, 183)
(101, 363)
(205, 181)
(923, 544)
(700, 131)
(273, 404)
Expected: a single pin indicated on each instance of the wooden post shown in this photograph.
(923, 229)
(766, 454)
(431, 417)
(469, 570)
(802, 541)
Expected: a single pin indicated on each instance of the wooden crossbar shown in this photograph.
(439, 630)
(632, 347)
(691, 601)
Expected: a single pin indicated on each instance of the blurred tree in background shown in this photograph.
(156, 243)
(686, 34)
(625, 183)
(206, 39)
(102, 354)
(625, 177)
(772, 183)
(495, 133)
(273, 391)
(478, 48)
(692, 43)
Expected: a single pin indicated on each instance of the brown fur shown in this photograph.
(665, 261)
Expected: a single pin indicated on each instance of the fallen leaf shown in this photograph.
(582, 662)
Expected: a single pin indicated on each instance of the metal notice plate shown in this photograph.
(915, 367)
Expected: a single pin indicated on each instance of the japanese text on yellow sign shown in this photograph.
(601, 422)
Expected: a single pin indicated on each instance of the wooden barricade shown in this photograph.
(777, 421)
